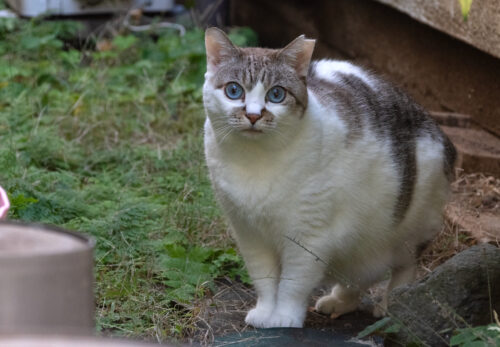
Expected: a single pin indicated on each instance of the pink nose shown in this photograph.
(252, 117)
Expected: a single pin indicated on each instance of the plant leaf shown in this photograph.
(465, 6)
(374, 327)
(393, 329)
(465, 336)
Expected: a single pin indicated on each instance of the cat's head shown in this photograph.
(251, 92)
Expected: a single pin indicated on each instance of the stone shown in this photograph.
(478, 150)
(484, 227)
(463, 290)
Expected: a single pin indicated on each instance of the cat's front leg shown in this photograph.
(262, 263)
(301, 273)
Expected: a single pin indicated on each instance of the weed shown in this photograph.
(486, 335)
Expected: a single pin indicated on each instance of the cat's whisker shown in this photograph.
(221, 132)
(230, 131)
(220, 126)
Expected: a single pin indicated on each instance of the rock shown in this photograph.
(478, 150)
(463, 290)
(484, 227)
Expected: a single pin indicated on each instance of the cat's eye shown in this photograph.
(233, 91)
(276, 94)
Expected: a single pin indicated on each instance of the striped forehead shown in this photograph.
(249, 69)
(256, 69)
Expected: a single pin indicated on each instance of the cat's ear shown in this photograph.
(298, 53)
(218, 47)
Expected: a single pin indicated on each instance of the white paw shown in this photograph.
(330, 304)
(280, 320)
(258, 317)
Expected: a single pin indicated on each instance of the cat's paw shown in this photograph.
(258, 317)
(331, 305)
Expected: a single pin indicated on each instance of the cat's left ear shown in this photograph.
(218, 47)
(298, 53)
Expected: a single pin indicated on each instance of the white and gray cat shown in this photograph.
(326, 173)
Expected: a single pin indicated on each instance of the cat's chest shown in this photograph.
(262, 180)
(254, 185)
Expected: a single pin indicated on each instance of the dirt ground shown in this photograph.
(224, 314)
(472, 216)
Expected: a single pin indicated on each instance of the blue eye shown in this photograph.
(233, 90)
(276, 94)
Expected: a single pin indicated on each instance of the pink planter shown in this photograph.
(4, 203)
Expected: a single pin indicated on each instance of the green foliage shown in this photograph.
(243, 37)
(109, 143)
(465, 6)
(482, 336)
(382, 326)
(19, 203)
(188, 270)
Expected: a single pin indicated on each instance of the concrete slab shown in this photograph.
(290, 338)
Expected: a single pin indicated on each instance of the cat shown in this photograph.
(325, 172)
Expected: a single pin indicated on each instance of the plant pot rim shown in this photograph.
(88, 242)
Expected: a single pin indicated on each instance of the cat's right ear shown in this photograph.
(218, 47)
(298, 53)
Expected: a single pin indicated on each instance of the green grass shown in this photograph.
(109, 143)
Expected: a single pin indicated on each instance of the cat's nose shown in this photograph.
(253, 117)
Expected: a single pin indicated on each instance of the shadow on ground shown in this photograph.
(222, 323)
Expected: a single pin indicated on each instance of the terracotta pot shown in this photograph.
(68, 341)
(46, 280)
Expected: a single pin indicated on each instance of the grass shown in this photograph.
(109, 143)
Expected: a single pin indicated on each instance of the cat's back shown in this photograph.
(368, 105)
(383, 123)
(364, 99)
